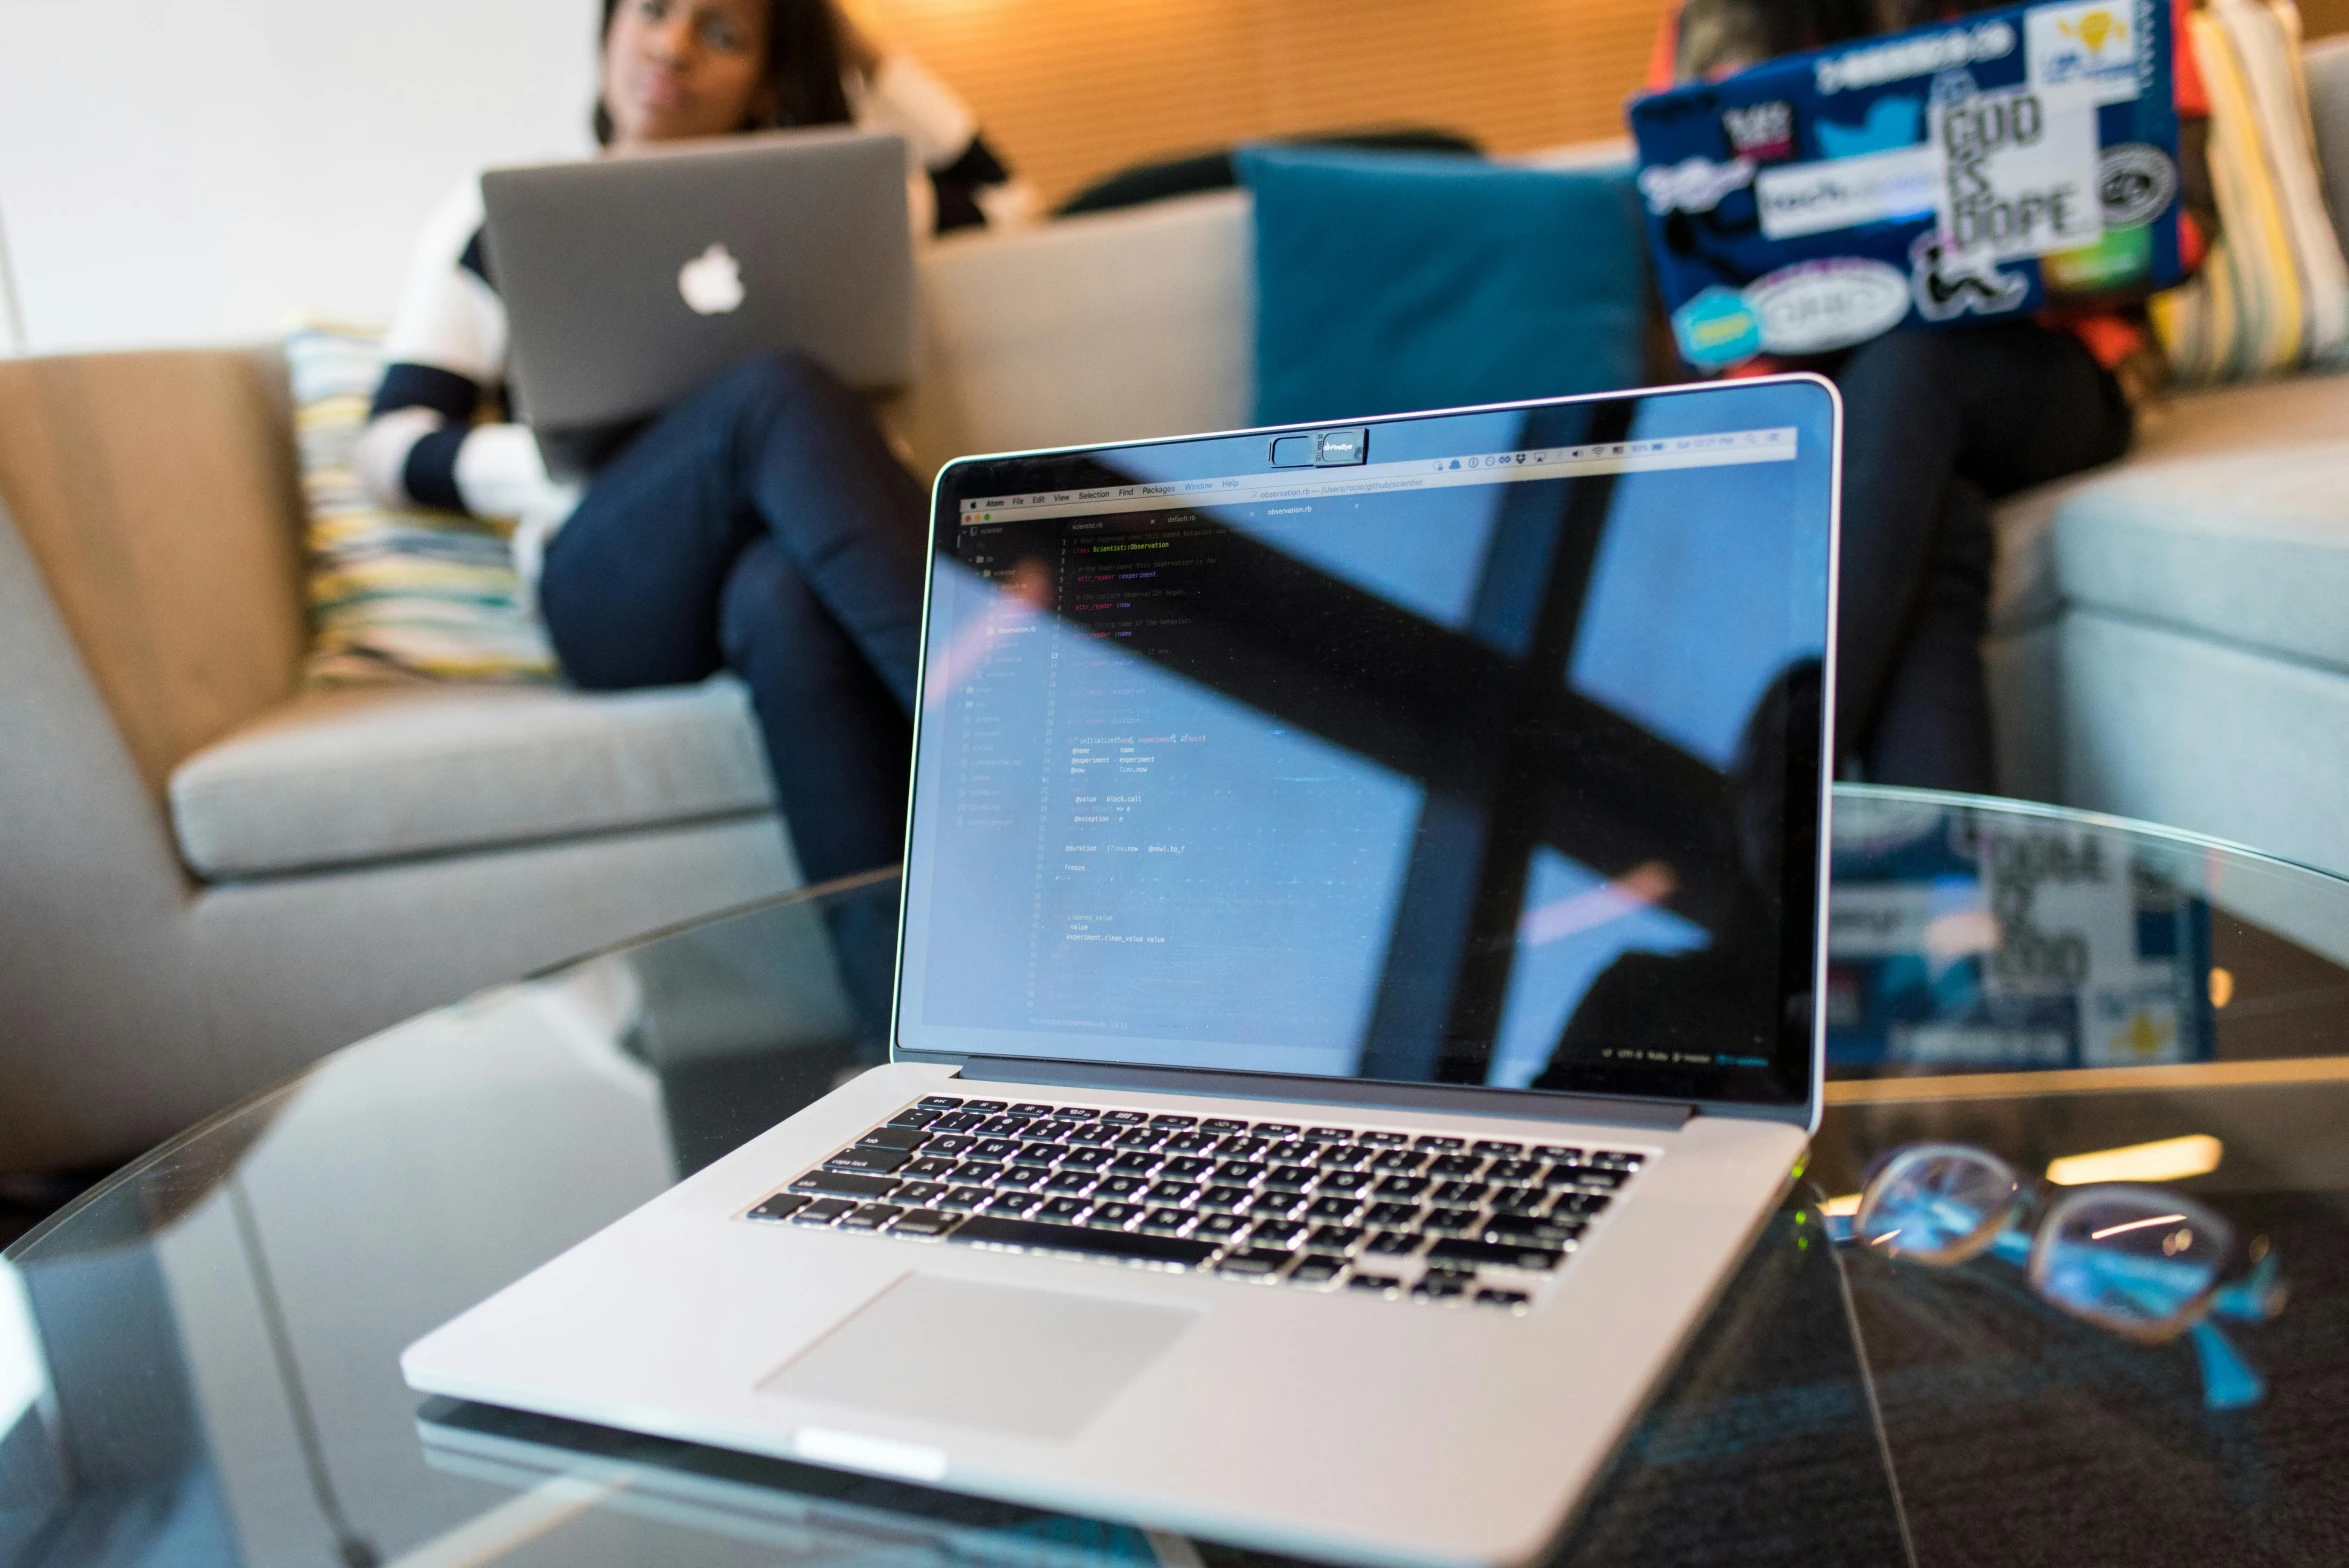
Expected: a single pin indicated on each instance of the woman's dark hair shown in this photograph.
(1745, 32)
(803, 68)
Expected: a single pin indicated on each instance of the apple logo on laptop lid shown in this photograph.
(711, 283)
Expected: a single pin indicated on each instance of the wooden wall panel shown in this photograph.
(1075, 89)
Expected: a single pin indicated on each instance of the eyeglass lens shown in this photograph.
(1936, 1203)
(2135, 1260)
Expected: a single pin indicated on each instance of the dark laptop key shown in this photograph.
(1382, 1140)
(1289, 1178)
(1114, 1215)
(1240, 1172)
(1243, 1147)
(1186, 1167)
(1179, 1193)
(1401, 1187)
(963, 1198)
(1256, 1263)
(1031, 1108)
(1316, 1271)
(1451, 1222)
(1520, 1201)
(1081, 1241)
(1376, 1285)
(1083, 1159)
(940, 1102)
(1620, 1162)
(1034, 1154)
(957, 1121)
(1345, 1156)
(1443, 1145)
(1505, 1300)
(1120, 1186)
(842, 1184)
(1276, 1233)
(1077, 1113)
(1020, 1178)
(1439, 1287)
(1054, 1133)
(954, 1143)
(1514, 1170)
(1138, 1137)
(868, 1162)
(1068, 1181)
(871, 1216)
(1333, 1238)
(924, 1222)
(1393, 1215)
(1458, 1193)
(822, 1212)
(1276, 1205)
(1169, 1119)
(1125, 1118)
(1595, 1176)
(991, 1107)
(1225, 1197)
(1095, 1134)
(1579, 1205)
(1190, 1143)
(1556, 1151)
(928, 1168)
(1013, 1203)
(1339, 1209)
(1390, 1244)
(1345, 1182)
(1531, 1232)
(1454, 1167)
(1064, 1211)
(914, 1120)
(1275, 1129)
(781, 1206)
(1222, 1124)
(1164, 1222)
(1004, 1126)
(1288, 1151)
(977, 1170)
(1499, 1149)
(994, 1148)
(1327, 1135)
(1460, 1251)
(1402, 1162)
(1219, 1227)
(918, 1192)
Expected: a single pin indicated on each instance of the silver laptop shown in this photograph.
(1357, 992)
(630, 281)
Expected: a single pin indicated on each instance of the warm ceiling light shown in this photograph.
(2170, 1159)
(2222, 987)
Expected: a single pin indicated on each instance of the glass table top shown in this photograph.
(198, 1359)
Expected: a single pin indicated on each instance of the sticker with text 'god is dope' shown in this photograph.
(2021, 174)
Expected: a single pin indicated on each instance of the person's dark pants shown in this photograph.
(1937, 427)
(761, 525)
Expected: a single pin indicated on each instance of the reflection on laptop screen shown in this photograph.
(1471, 763)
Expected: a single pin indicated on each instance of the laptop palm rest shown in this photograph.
(1033, 1363)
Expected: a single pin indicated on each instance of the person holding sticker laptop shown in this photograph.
(760, 524)
(1942, 425)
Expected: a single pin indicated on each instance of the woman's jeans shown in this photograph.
(761, 525)
(1937, 427)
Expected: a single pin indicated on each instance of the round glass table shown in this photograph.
(198, 1358)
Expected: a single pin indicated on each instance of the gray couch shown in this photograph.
(214, 878)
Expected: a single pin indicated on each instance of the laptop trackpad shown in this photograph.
(1003, 1358)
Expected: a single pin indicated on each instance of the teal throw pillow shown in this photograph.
(1389, 282)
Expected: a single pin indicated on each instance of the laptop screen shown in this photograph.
(1477, 748)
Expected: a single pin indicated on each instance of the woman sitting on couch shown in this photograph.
(760, 524)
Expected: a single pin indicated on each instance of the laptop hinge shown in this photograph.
(1453, 1099)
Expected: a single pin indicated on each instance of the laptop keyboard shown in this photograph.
(1399, 1215)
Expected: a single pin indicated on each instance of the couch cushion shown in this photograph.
(2251, 548)
(352, 777)
(2297, 411)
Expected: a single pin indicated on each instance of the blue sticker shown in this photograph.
(1891, 122)
(1717, 328)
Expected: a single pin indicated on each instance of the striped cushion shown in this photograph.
(396, 593)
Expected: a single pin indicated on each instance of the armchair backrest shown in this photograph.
(156, 494)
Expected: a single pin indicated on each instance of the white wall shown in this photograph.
(191, 171)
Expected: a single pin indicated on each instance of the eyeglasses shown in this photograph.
(2143, 1262)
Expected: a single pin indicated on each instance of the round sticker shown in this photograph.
(1813, 307)
(2135, 182)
